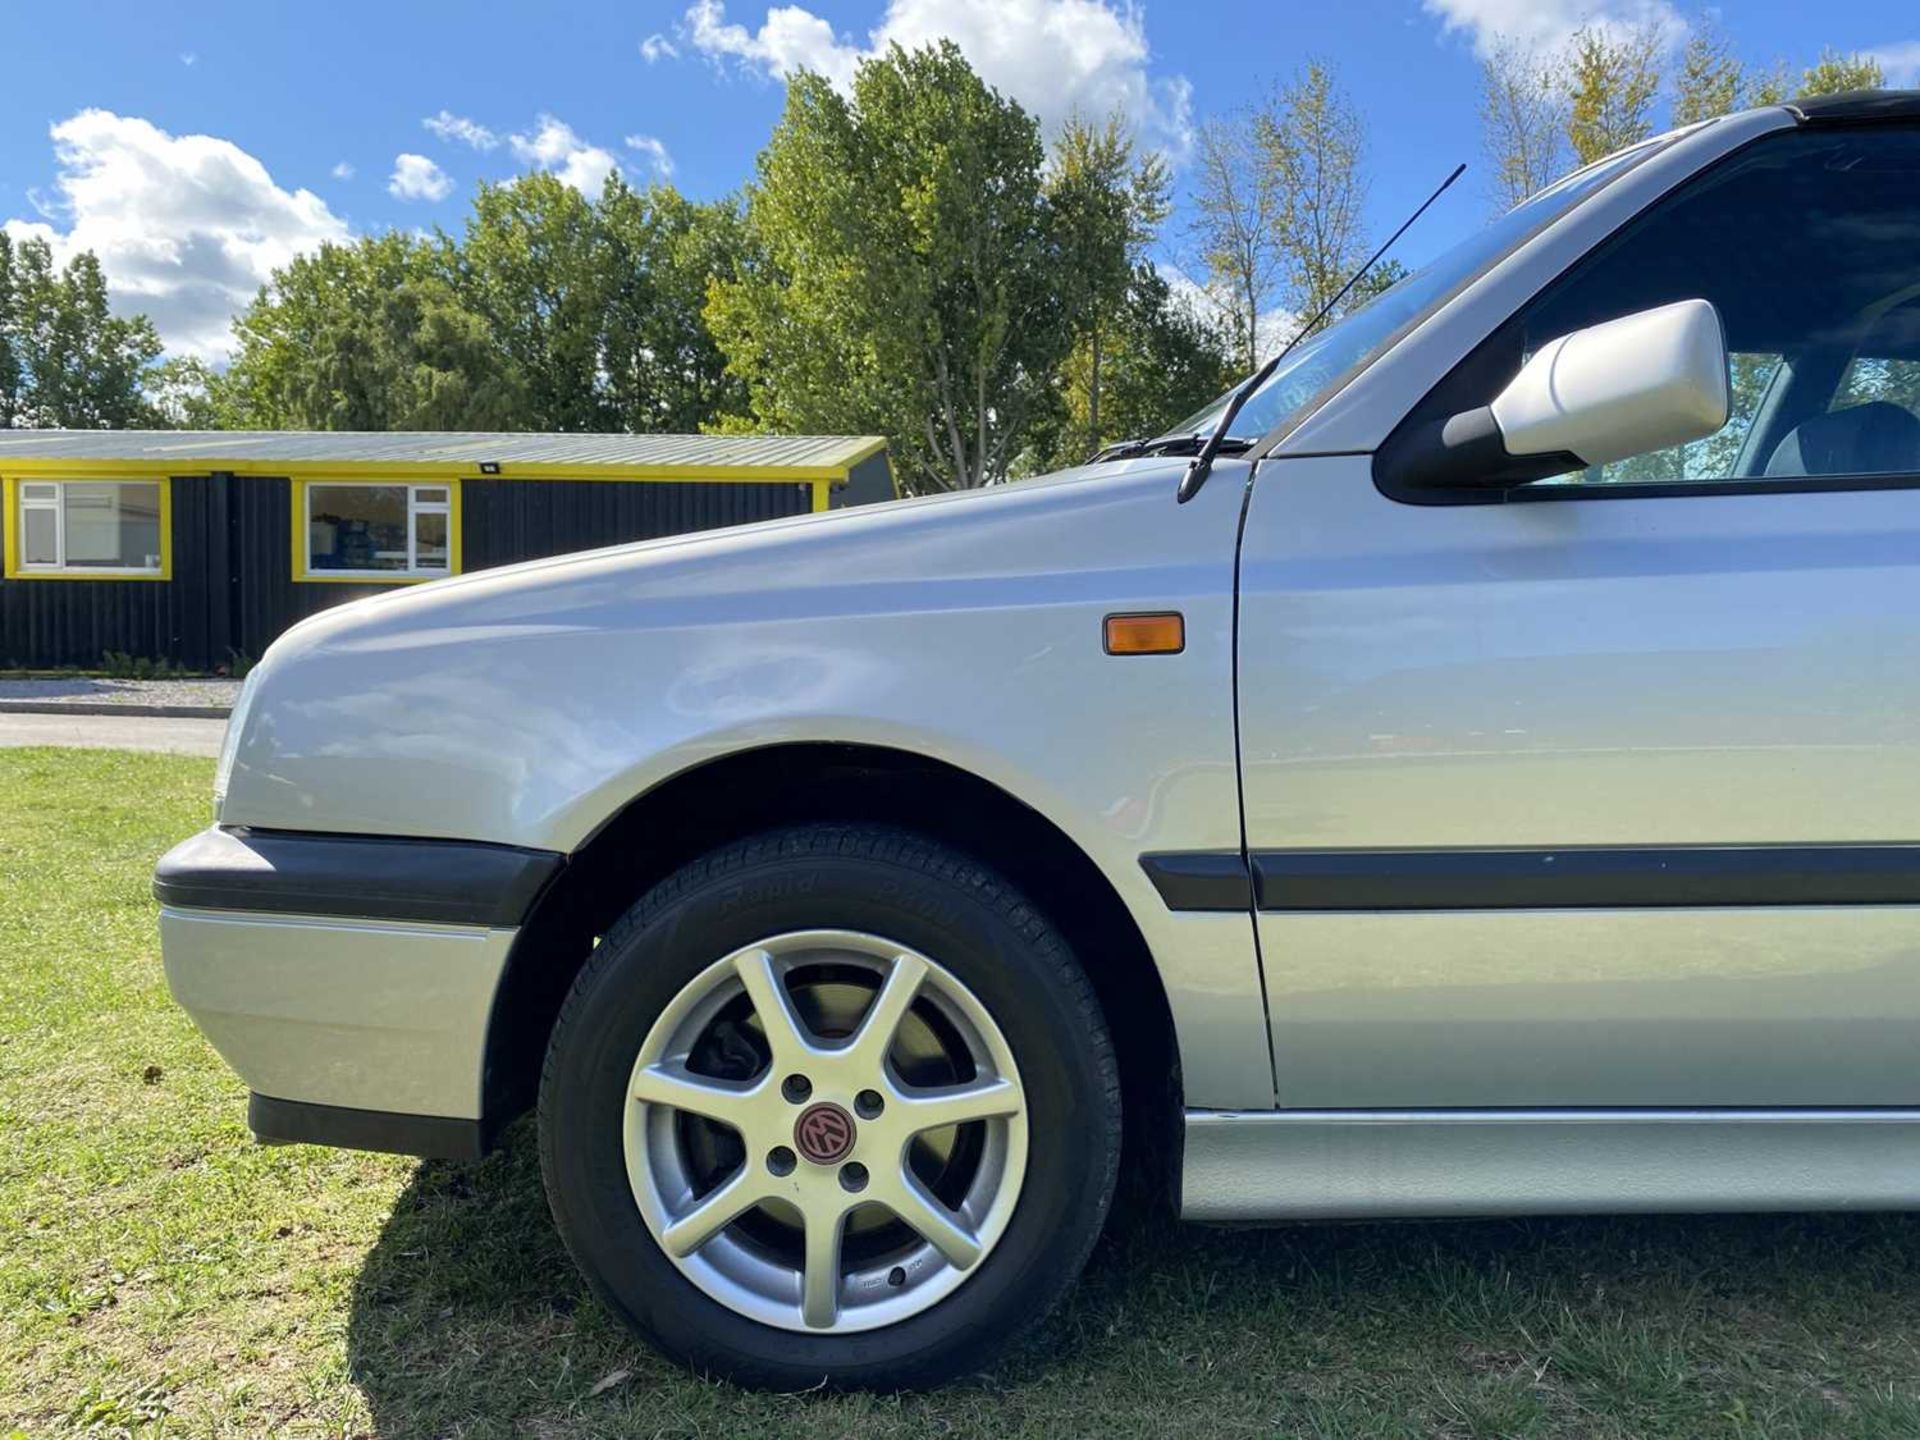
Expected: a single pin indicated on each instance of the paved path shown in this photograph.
(114, 732)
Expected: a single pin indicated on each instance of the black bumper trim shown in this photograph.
(300, 1122)
(449, 882)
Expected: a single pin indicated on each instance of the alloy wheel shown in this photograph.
(826, 1131)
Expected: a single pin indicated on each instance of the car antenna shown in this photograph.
(1201, 465)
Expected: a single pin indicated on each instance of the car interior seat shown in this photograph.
(1873, 439)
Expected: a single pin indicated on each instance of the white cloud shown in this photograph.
(187, 227)
(1054, 56)
(189, 59)
(451, 127)
(1547, 24)
(656, 152)
(554, 146)
(342, 171)
(658, 47)
(415, 177)
(1900, 61)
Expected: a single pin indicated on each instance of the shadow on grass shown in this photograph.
(468, 1319)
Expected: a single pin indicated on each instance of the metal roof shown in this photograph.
(194, 450)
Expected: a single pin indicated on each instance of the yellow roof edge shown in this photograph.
(38, 466)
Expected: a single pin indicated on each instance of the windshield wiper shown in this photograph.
(1168, 445)
(1202, 465)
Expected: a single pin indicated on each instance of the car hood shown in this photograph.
(914, 538)
(523, 704)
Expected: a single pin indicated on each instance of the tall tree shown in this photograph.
(1162, 361)
(1613, 80)
(1835, 73)
(13, 375)
(1772, 86)
(1314, 141)
(1107, 203)
(907, 280)
(1711, 81)
(661, 368)
(1239, 207)
(528, 267)
(66, 360)
(1523, 121)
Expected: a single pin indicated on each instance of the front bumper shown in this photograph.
(348, 981)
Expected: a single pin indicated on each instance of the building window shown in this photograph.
(81, 529)
(373, 532)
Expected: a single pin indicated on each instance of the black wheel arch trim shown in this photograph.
(449, 882)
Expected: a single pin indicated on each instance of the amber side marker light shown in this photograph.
(1162, 633)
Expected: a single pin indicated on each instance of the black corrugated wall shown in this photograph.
(76, 622)
(232, 589)
(503, 521)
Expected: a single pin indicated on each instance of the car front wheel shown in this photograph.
(831, 1104)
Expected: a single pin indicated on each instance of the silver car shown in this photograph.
(1496, 789)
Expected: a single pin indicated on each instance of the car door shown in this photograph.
(1605, 791)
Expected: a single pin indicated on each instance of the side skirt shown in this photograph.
(1401, 1164)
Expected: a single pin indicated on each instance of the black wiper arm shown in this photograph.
(1165, 445)
(1202, 465)
(1192, 444)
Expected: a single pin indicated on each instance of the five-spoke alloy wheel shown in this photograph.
(834, 1103)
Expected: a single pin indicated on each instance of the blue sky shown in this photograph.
(195, 145)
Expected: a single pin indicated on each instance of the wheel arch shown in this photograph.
(720, 799)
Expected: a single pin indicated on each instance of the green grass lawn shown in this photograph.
(160, 1274)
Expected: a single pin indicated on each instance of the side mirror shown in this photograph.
(1639, 383)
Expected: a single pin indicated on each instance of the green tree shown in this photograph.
(1523, 121)
(659, 252)
(1613, 80)
(185, 393)
(530, 266)
(1161, 362)
(13, 375)
(1711, 81)
(1835, 73)
(1107, 203)
(66, 360)
(1773, 86)
(1314, 141)
(369, 336)
(1239, 209)
(905, 279)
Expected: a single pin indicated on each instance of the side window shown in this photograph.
(372, 532)
(107, 529)
(1808, 244)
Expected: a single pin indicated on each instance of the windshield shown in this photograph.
(1355, 338)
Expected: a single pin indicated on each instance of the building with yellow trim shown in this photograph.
(199, 547)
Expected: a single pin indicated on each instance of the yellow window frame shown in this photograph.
(302, 575)
(13, 568)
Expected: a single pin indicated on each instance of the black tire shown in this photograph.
(856, 877)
